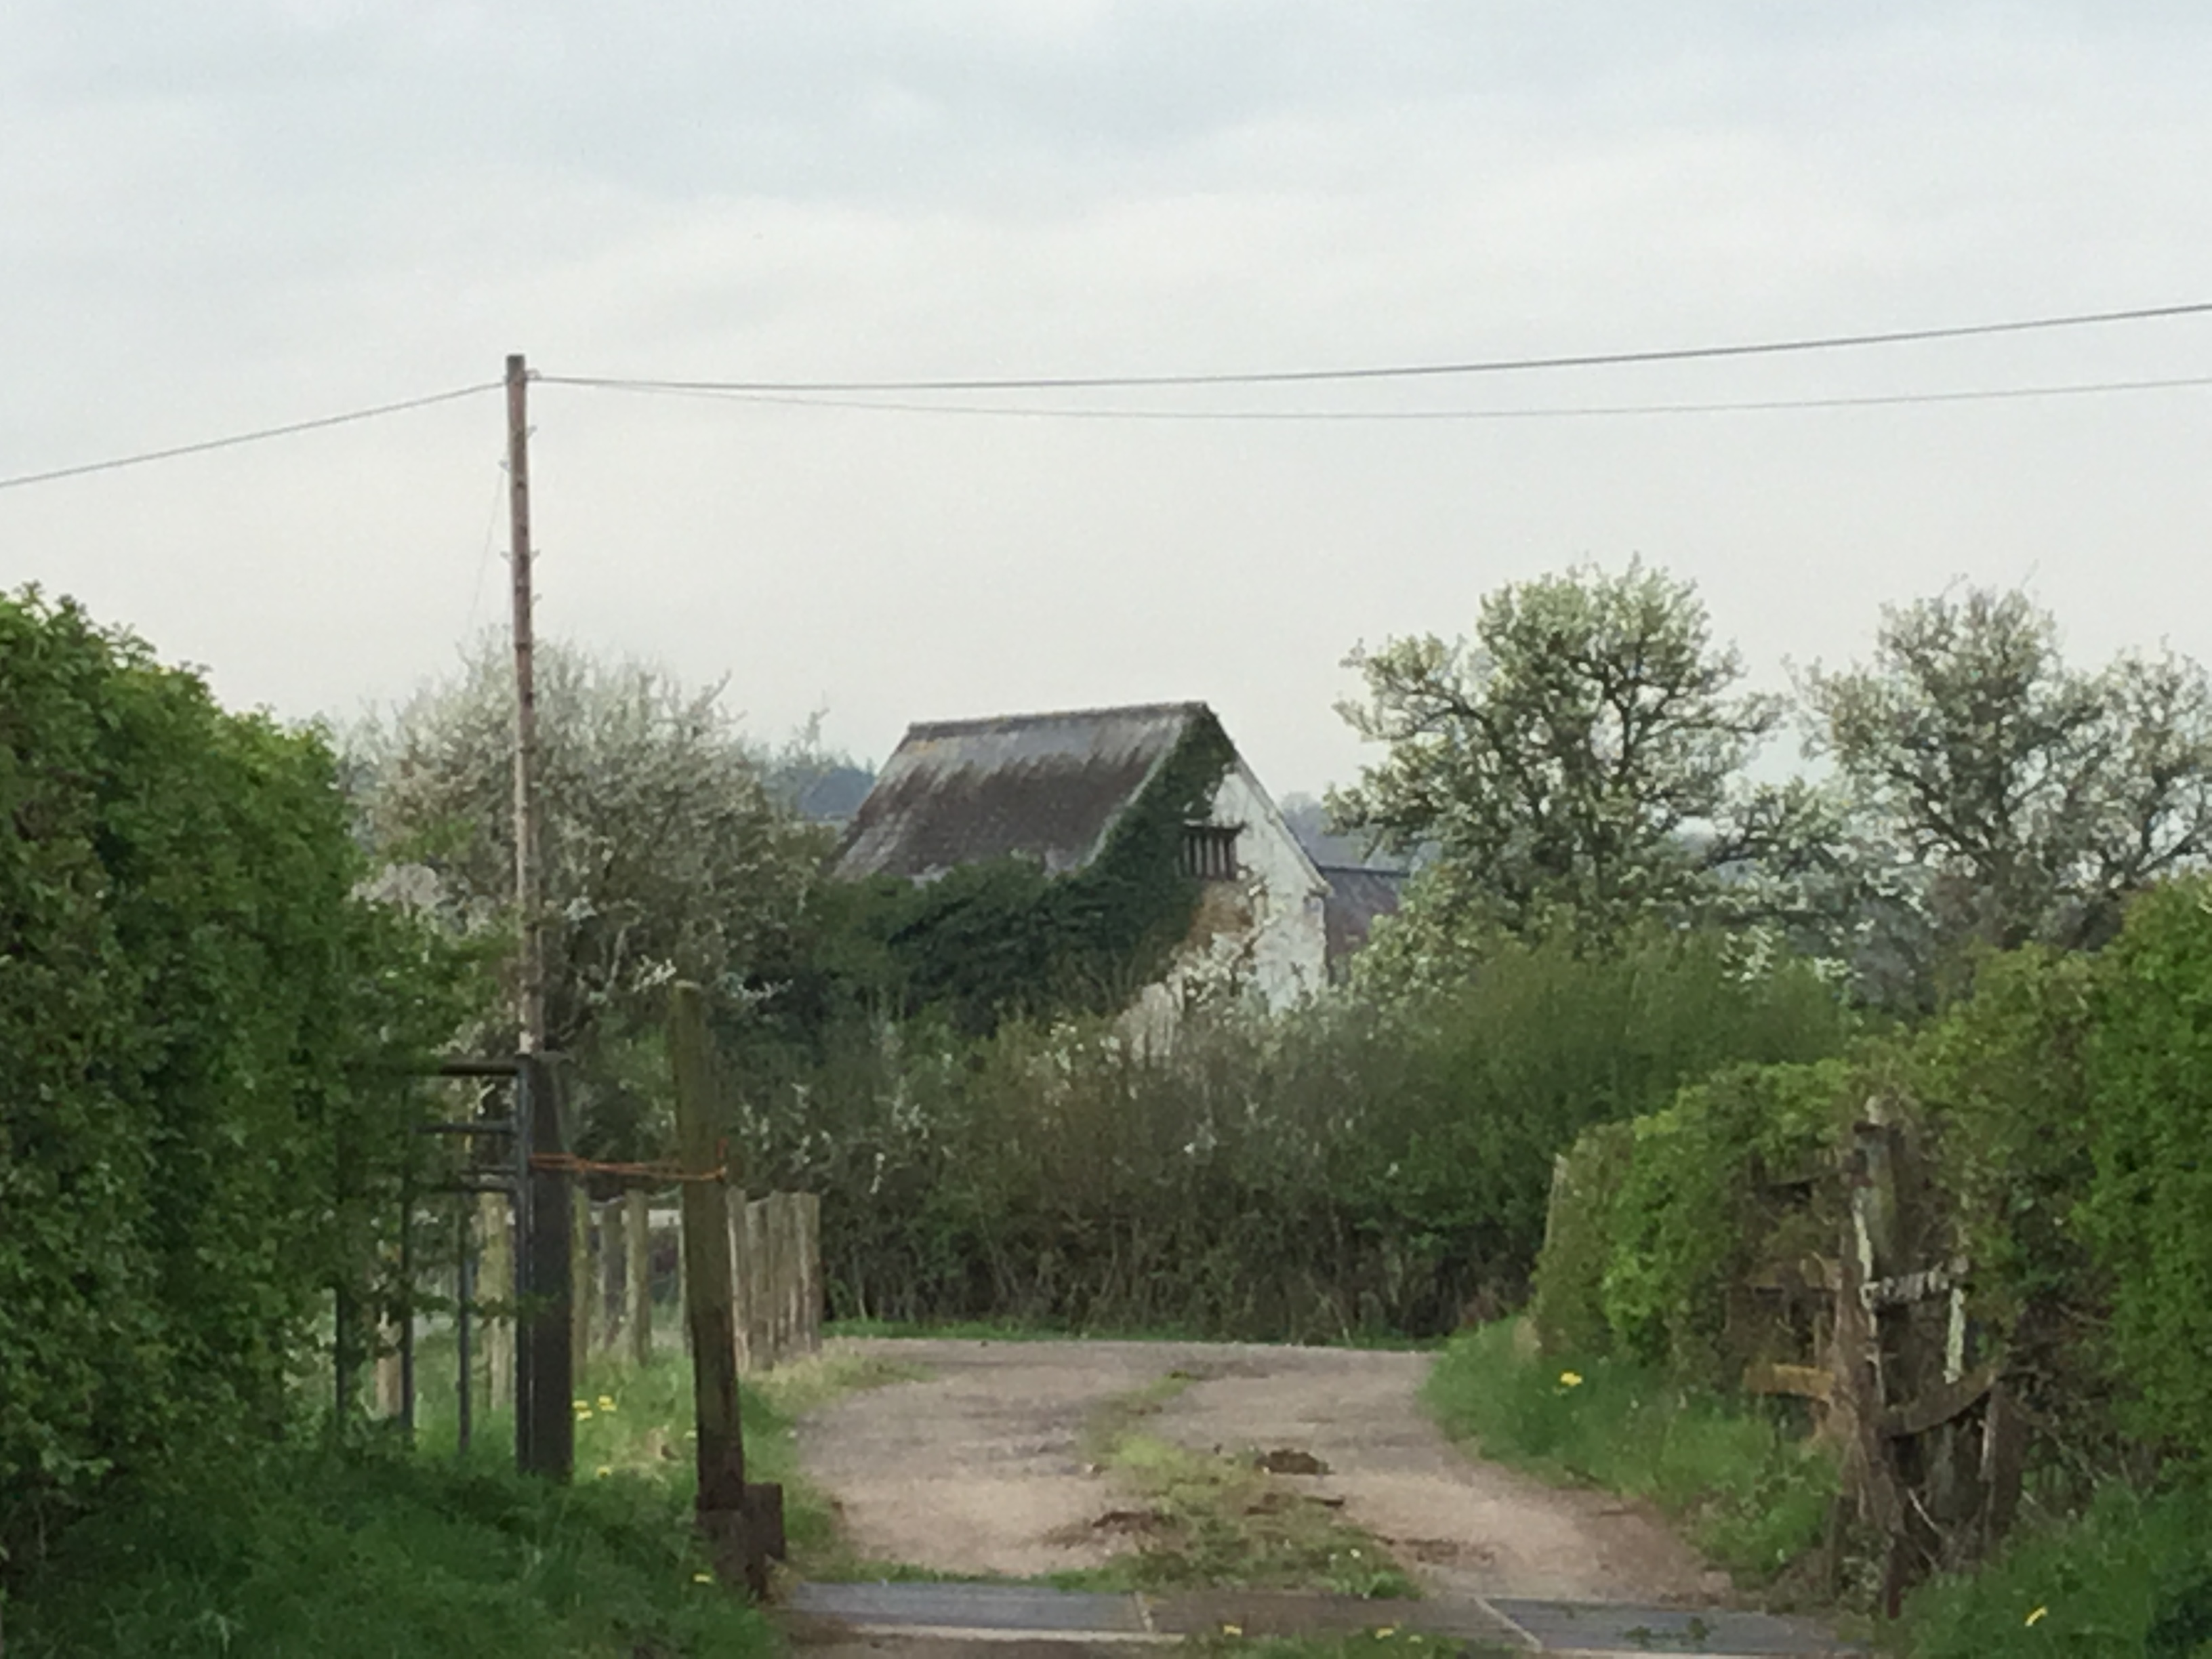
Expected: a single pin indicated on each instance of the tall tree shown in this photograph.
(1581, 759)
(2033, 797)
(666, 855)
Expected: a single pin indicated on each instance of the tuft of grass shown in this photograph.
(1751, 1496)
(2130, 1576)
(1209, 1520)
(362, 1552)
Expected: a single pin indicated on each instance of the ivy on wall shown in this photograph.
(1002, 938)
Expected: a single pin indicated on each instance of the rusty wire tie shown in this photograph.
(569, 1164)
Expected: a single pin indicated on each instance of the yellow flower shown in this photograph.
(602, 1472)
(2036, 1614)
(1571, 1379)
(581, 1405)
(583, 1413)
(606, 1402)
(1233, 1630)
(1386, 1633)
(702, 1577)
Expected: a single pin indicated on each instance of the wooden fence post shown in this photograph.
(743, 1524)
(495, 1283)
(637, 1276)
(809, 1272)
(580, 1278)
(752, 1266)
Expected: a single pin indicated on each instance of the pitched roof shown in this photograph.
(1045, 787)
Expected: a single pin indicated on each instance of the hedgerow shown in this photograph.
(205, 1034)
(1357, 1166)
(2148, 1217)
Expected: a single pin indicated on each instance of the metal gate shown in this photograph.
(514, 1147)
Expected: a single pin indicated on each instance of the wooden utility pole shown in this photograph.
(530, 990)
(546, 1429)
(743, 1524)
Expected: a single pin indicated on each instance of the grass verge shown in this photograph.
(1749, 1493)
(1209, 1520)
(2130, 1576)
(379, 1549)
(639, 1422)
(367, 1552)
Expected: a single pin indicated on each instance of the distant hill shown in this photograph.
(821, 788)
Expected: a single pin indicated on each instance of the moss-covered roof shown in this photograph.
(1047, 787)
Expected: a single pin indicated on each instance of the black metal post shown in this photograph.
(544, 1380)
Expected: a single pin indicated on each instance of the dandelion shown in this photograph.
(606, 1402)
(581, 1405)
(2035, 1615)
(1571, 1379)
(583, 1413)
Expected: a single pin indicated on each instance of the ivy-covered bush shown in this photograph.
(2149, 1210)
(1709, 1191)
(202, 1033)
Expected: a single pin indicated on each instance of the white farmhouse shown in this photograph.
(1051, 787)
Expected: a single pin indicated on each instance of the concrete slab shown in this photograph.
(1594, 1628)
(1020, 1607)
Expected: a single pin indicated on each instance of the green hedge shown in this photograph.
(200, 1025)
(2149, 1212)
(1356, 1168)
(1653, 1221)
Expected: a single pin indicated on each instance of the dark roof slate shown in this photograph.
(1043, 786)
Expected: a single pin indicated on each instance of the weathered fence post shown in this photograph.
(743, 1524)
(637, 1276)
(545, 1404)
(809, 1272)
(495, 1284)
(579, 1277)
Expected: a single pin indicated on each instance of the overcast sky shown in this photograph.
(222, 215)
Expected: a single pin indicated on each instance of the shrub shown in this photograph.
(2150, 1208)
(204, 1030)
(1697, 1207)
(1359, 1167)
(2129, 1578)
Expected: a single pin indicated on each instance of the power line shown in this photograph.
(1408, 371)
(236, 438)
(1990, 394)
(824, 394)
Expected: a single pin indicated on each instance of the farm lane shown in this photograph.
(983, 1467)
